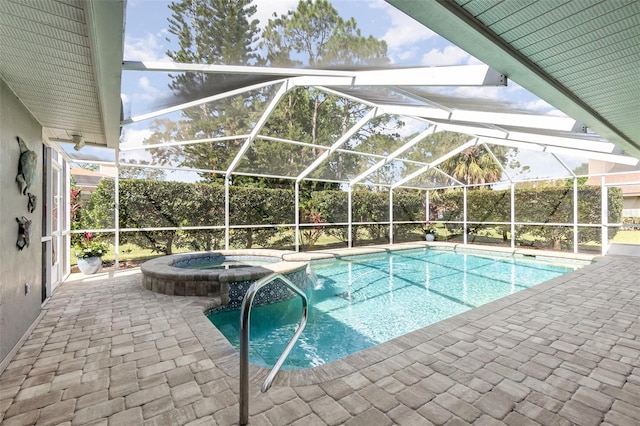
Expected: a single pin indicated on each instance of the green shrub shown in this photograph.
(160, 204)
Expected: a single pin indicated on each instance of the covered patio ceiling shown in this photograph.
(63, 60)
(579, 56)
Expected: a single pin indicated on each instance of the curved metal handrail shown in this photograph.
(244, 340)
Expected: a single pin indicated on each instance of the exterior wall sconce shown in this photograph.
(78, 140)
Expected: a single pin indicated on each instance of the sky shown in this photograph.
(409, 44)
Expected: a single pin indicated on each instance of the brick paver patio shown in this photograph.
(108, 352)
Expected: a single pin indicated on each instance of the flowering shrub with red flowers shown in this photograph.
(88, 247)
(429, 228)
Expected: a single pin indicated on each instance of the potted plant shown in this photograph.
(89, 253)
(429, 231)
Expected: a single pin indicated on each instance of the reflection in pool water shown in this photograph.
(367, 300)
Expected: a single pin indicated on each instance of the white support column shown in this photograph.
(427, 204)
(227, 210)
(575, 215)
(605, 216)
(116, 210)
(350, 218)
(297, 215)
(390, 215)
(513, 215)
(464, 225)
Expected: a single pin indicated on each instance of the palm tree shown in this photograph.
(473, 166)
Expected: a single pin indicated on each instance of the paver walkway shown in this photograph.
(108, 352)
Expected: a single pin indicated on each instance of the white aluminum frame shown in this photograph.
(483, 127)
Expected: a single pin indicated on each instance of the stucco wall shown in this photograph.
(17, 310)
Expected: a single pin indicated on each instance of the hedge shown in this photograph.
(149, 204)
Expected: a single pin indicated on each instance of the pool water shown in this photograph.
(366, 300)
(226, 262)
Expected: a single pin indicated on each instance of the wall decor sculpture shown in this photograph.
(27, 166)
(31, 204)
(24, 225)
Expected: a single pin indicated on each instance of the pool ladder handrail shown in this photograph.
(244, 339)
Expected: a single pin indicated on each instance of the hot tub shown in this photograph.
(186, 274)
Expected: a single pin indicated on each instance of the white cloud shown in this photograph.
(412, 126)
(538, 105)
(266, 9)
(474, 61)
(146, 48)
(149, 93)
(555, 112)
(484, 92)
(450, 55)
(135, 137)
(405, 33)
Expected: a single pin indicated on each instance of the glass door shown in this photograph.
(53, 221)
(56, 217)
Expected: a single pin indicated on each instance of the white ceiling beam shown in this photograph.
(576, 143)
(458, 75)
(454, 23)
(107, 44)
(341, 141)
(566, 167)
(454, 152)
(284, 88)
(170, 66)
(612, 158)
(473, 130)
(410, 144)
(208, 99)
(545, 140)
(433, 164)
(511, 143)
(346, 96)
(292, 142)
(542, 122)
(581, 153)
(495, 159)
(532, 121)
(417, 111)
(417, 77)
(124, 147)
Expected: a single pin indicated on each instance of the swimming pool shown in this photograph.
(361, 301)
(226, 262)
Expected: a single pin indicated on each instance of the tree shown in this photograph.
(473, 166)
(222, 32)
(582, 169)
(210, 32)
(141, 172)
(316, 31)
(315, 35)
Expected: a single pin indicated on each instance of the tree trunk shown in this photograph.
(168, 248)
(249, 238)
(314, 120)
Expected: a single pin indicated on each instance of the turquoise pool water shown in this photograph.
(226, 262)
(367, 300)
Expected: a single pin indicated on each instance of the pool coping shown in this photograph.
(228, 359)
(159, 274)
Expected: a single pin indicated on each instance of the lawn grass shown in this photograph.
(627, 237)
(135, 254)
